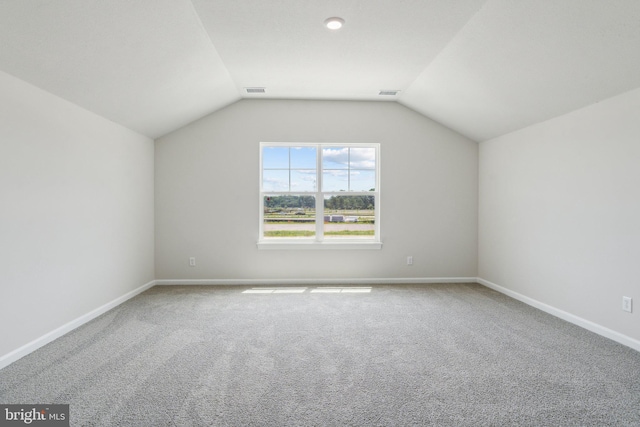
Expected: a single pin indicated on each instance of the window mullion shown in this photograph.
(319, 196)
(289, 170)
(261, 196)
(348, 169)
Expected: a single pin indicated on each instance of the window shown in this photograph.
(319, 195)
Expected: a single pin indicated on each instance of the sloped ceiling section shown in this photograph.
(481, 67)
(517, 63)
(146, 64)
(282, 45)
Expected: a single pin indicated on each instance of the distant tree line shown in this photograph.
(349, 202)
(308, 202)
(290, 202)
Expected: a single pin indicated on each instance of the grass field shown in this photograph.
(299, 223)
(307, 233)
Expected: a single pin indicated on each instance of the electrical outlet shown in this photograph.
(192, 261)
(409, 260)
(626, 304)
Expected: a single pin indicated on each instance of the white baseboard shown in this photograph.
(11, 357)
(312, 282)
(579, 321)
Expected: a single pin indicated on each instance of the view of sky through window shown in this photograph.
(293, 169)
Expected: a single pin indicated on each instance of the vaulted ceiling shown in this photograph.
(481, 67)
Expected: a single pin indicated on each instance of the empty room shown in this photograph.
(320, 213)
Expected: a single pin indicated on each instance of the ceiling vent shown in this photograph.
(254, 89)
(388, 92)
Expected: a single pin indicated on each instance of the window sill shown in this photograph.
(313, 245)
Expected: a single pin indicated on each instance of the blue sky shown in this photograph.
(345, 168)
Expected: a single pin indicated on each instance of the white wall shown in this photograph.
(76, 212)
(559, 214)
(207, 193)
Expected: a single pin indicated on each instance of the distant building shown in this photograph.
(340, 218)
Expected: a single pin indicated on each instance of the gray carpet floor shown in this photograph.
(399, 355)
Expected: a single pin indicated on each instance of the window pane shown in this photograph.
(335, 158)
(289, 217)
(303, 157)
(349, 217)
(275, 158)
(335, 180)
(362, 158)
(275, 180)
(362, 180)
(303, 180)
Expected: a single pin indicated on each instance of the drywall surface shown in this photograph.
(559, 215)
(207, 193)
(76, 212)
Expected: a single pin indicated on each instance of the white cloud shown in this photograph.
(364, 158)
(339, 156)
(358, 158)
(275, 185)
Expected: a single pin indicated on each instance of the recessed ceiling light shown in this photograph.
(334, 23)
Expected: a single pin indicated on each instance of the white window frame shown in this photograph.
(318, 242)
